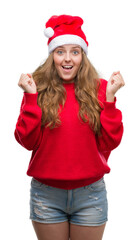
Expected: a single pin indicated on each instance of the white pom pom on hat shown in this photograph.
(48, 32)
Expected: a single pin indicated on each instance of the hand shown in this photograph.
(115, 82)
(27, 83)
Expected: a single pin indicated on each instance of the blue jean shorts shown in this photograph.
(86, 206)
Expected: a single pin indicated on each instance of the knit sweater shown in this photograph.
(71, 155)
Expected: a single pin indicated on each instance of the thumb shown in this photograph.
(29, 75)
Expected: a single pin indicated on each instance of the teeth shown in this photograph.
(67, 67)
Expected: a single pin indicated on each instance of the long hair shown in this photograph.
(52, 94)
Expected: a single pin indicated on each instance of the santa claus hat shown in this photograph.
(65, 29)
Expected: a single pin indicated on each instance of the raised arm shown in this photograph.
(28, 130)
(111, 117)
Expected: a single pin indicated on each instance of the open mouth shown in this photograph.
(67, 67)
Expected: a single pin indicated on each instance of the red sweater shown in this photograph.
(69, 156)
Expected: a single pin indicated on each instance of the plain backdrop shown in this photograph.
(111, 28)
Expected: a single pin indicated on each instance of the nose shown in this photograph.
(67, 57)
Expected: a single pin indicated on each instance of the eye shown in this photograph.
(60, 52)
(75, 52)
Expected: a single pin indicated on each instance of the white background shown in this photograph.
(111, 28)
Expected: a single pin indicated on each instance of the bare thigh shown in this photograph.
(86, 233)
(58, 231)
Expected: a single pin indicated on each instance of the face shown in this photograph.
(67, 60)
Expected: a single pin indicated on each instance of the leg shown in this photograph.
(58, 231)
(86, 233)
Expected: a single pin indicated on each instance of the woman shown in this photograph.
(69, 120)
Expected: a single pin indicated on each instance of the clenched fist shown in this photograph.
(27, 83)
(115, 82)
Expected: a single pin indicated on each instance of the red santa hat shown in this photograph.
(65, 29)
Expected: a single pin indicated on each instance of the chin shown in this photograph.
(67, 79)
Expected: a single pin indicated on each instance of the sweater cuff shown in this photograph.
(30, 98)
(110, 107)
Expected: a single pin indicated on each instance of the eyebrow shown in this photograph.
(76, 47)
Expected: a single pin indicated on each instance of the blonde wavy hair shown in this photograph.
(52, 94)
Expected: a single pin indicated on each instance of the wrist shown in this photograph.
(110, 97)
(30, 91)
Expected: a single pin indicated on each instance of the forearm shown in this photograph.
(28, 130)
(111, 127)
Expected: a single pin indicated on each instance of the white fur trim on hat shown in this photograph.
(67, 39)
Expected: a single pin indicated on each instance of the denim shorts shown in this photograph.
(86, 206)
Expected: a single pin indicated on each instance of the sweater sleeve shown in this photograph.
(28, 130)
(111, 126)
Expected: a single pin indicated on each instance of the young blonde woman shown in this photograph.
(69, 119)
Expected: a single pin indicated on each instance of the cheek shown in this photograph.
(57, 60)
(78, 62)
(57, 66)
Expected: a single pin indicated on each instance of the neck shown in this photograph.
(69, 81)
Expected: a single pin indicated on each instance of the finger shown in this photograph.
(23, 76)
(115, 73)
(119, 81)
(23, 80)
(30, 80)
(119, 78)
(114, 79)
(26, 77)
